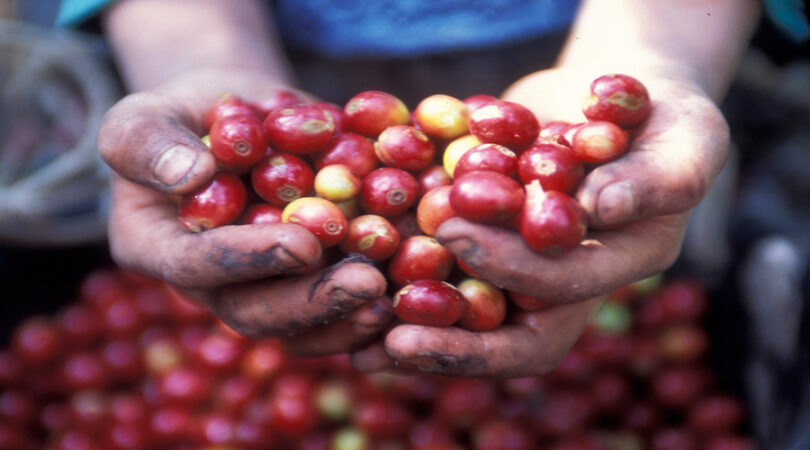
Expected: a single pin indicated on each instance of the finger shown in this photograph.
(154, 140)
(153, 137)
(346, 335)
(533, 344)
(673, 160)
(607, 261)
(145, 235)
(288, 307)
(372, 358)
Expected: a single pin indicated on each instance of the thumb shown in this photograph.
(148, 139)
(673, 160)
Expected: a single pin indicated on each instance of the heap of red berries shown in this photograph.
(132, 365)
(376, 179)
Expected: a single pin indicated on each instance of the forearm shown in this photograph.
(700, 40)
(154, 40)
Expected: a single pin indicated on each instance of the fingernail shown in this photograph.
(465, 248)
(174, 164)
(423, 362)
(617, 203)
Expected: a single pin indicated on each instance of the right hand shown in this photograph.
(241, 273)
(674, 157)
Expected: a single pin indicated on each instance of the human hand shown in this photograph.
(242, 273)
(638, 208)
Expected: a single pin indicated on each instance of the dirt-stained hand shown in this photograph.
(244, 273)
(638, 208)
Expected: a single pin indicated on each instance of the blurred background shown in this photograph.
(55, 86)
(748, 243)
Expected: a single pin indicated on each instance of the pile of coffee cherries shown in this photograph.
(377, 180)
(132, 365)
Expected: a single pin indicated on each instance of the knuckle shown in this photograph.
(174, 264)
(175, 276)
(692, 188)
(228, 311)
(370, 321)
(168, 270)
(240, 328)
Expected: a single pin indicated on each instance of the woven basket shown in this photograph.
(56, 86)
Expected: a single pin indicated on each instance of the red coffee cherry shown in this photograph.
(430, 302)
(219, 202)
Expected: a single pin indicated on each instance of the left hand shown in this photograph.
(638, 208)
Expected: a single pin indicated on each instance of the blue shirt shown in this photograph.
(414, 27)
(345, 28)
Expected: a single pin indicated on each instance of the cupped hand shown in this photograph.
(638, 208)
(243, 273)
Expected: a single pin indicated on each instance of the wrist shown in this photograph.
(698, 43)
(242, 80)
(643, 66)
(184, 36)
